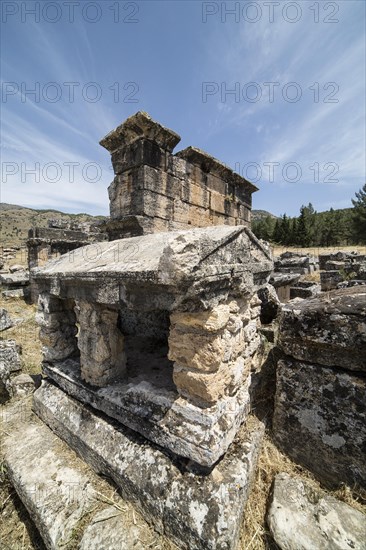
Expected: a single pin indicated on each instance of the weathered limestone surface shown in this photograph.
(160, 414)
(57, 320)
(21, 385)
(304, 289)
(319, 420)
(199, 287)
(343, 257)
(154, 190)
(60, 237)
(10, 364)
(195, 510)
(64, 497)
(213, 349)
(291, 262)
(340, 267)
(283, 282)
(5, 320)
(270, 304)
(301, 517)
(329, 330)
(102, 357)
(330, 279)
(14, 280)
(187, 264)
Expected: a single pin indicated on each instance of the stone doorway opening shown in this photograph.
(146, 346)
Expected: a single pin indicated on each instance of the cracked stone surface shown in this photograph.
(195, 509)
(329, 329)
(319, 420)
(301, 517)
(68, 502)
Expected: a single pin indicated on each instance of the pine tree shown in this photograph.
(359, 215)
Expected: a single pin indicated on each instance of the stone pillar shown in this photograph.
(58, 328)
(213, 349)
(101, 344)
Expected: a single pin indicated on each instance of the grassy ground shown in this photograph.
(25, 333)
(17, 531)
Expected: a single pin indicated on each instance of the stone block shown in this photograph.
(302, 516)
(211, 320)
(5, 320)
(63, 496)
(319, 420)
(206, 388)
(214, 183)
(190, 214)
(101, 344)
(140, 126)
(195, 509)
(195, 194)
(330, 279)
(160, 414)
(22, 385)
(329, 329)
(10, 364)
(199, 352)
(304, 289)
(138, 153)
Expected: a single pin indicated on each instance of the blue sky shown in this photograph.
(294, 123)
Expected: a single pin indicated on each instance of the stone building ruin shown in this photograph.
(159, 331)
(155, 360)
(155, 190)
(60, 237)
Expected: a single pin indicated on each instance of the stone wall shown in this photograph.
(320, 404)
(60, 237)
(339, 267)
(155, 190)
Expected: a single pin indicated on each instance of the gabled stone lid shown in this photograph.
(213, 166)
(139, 126)
(171, 258)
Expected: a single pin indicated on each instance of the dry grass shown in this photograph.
(254, 532)
(316, 250)
(24, 333)
(17, 531)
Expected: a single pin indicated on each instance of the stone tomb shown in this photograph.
(159, 332)
(157, 190)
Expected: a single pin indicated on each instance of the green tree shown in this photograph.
(359, 215)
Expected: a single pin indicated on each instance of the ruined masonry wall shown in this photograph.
(155, 190)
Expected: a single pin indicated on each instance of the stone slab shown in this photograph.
(159, 414)
(5, 320)
(67, 501)
(195, 509)
(302, 517)
(329, 329)
(319, 420)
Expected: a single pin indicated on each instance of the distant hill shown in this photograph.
(16, 220)
(261, 214)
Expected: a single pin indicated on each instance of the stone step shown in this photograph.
(70, 505)
(195, 509)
